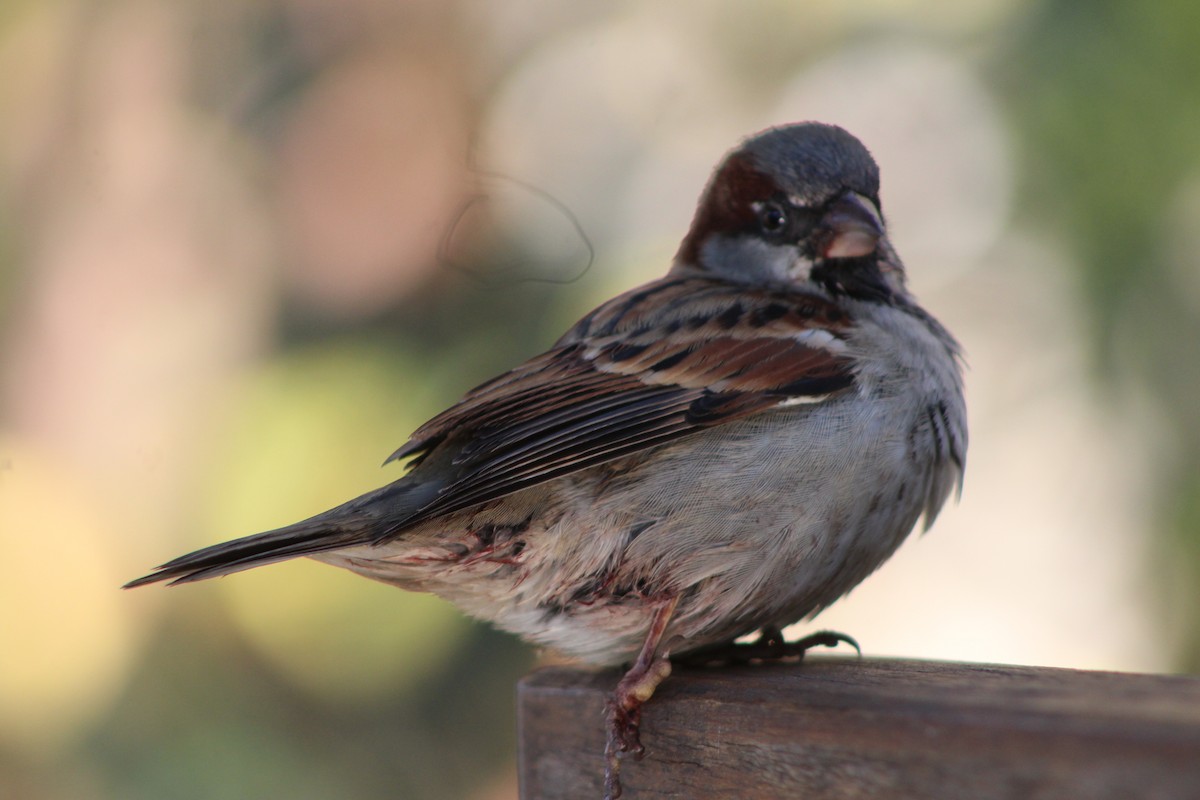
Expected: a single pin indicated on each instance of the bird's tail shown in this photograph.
(358, 522)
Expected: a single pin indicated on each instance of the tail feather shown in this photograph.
(303, 538)
(357, 522)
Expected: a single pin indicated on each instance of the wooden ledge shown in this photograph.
(871, 728)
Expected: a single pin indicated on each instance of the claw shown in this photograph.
(821, 639)
(770, 646)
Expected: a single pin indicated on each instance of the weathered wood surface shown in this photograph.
(847, 728)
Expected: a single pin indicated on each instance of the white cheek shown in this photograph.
(754, 261)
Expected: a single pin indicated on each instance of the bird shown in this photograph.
(727, 449)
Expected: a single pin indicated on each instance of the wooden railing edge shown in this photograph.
(834, 727)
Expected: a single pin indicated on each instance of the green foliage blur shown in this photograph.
(1106, 99)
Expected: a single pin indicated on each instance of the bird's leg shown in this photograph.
(625, 705)
(770, 646)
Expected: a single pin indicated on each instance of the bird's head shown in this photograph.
(795, 206)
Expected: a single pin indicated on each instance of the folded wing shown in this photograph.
(628, 378)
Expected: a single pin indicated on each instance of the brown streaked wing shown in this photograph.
(592, 400)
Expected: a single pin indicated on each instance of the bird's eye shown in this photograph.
(772, 218)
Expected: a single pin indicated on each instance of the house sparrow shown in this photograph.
(728, 449)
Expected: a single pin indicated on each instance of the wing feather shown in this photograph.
(633, 375)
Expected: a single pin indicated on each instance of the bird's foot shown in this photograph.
(625, 705)
(770, 646)
(625, 717)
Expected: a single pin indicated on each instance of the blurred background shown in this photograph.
(247, 247)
